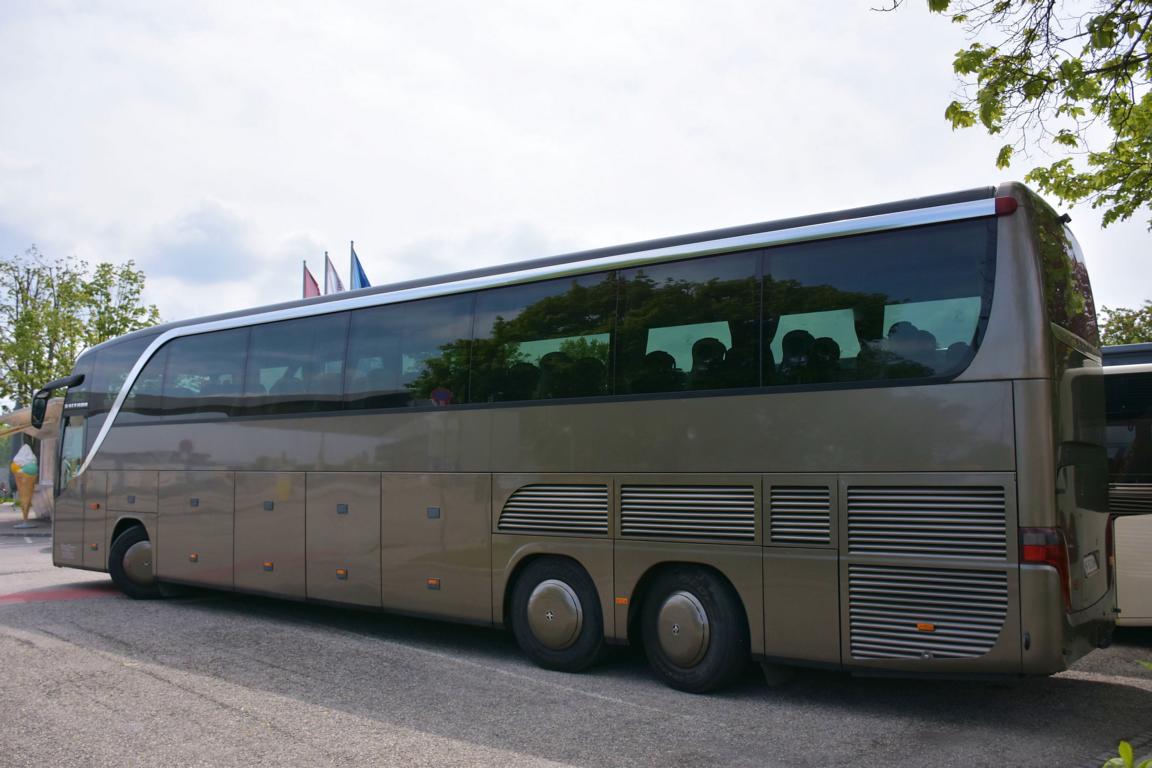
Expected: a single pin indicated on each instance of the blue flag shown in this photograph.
(356, 273)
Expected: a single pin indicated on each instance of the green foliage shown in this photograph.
(1126, 326)
(1052, 78)
(51, 310)
(1126, 758)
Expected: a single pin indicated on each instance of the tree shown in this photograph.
(1075, 81)
(1126, 326)
(51, 310)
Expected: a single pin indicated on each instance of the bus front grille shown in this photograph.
(800, 514)
(1130, 497)
(689, 511)
(565, 509)
(924, 613)
(958, 522)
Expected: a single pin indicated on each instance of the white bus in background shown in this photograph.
(1128, 379)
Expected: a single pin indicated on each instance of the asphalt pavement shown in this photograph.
(89, 677)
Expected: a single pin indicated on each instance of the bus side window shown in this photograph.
(204, 374)
(544, 341)
(888, 305)
(297, 366)
(413, 354)
(691, 325)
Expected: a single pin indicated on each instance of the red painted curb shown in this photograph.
(68, 593)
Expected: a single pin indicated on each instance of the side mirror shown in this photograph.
(39, 409)
(40, 399)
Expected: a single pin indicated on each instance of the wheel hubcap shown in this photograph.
(554, 614)
(682, 628)
(138, 564)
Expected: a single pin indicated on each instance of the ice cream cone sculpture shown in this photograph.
(25, 470)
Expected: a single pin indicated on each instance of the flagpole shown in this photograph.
(351, 264)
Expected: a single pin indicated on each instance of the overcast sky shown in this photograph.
(220, 144)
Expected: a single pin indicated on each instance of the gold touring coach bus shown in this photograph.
(870, 440)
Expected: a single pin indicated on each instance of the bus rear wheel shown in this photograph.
(132, 565)
(555, 615)
(694, 629)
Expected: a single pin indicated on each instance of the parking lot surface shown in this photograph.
(90, 677)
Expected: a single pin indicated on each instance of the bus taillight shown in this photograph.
(1110, 548)
(1046, 546)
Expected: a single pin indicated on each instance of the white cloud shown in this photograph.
(220, 144)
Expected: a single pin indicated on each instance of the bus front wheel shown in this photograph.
(695, 633)
(132, 565)
(555, 615)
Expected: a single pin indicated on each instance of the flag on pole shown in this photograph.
(332, 281)
(311, 287)
(356, 272)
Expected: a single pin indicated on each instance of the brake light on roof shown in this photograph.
(1006, 206)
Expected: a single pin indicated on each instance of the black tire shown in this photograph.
(133, 588)
(588, 644)
(725, 652)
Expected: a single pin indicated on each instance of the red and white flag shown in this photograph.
(311, 287)
(332, 281)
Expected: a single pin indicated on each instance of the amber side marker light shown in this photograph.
(193, 557)
(342, 574)
(267, 565)
(621, 601)
(433, 583)
(924, 626)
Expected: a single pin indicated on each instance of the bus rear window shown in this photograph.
(1067, 290)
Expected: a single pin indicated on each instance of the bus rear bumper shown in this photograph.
(1052, 640)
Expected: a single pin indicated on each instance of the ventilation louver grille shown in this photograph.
(683, 511)
(556, 509)
(965, 522)
(1130, 497)
(800, 514)
(915, 613)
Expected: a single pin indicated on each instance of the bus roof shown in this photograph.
(1127, 354)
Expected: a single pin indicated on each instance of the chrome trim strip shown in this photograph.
(863, 225)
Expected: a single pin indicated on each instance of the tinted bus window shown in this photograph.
(144, 401)
(890, 305)
(111, 367)
(544, 340)
(297, 365)
(1129, 430)
(690, 325)
(79, 395)
(1067, 290)
(205, 374)
(411, 354)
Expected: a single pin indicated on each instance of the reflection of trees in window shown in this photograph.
(720, 295)
(810, 355)
(1067, 290)
(495, 367)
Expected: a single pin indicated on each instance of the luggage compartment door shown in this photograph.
(270, 533)
(342, 519)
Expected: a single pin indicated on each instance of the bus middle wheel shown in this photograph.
(695, 632)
